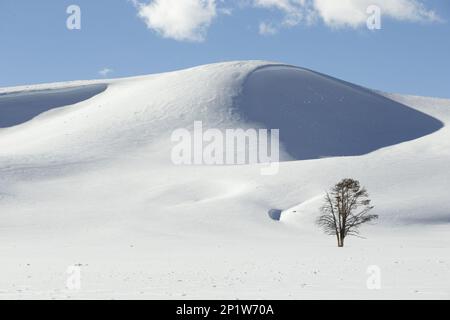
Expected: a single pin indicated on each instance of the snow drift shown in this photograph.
(20, 107)
(321, 117)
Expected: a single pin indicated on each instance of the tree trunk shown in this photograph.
(342, 242)
(339, 240)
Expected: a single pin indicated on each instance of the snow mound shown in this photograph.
(319, 116)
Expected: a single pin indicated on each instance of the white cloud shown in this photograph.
(105, 71)
(189, 20)
(346, 13)
(183, 20)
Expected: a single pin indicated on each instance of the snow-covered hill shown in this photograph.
(86, 178)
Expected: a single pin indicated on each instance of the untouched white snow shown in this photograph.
(92, 184)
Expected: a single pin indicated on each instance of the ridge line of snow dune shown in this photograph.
(375, 92)
(51, 86)
(76, 83)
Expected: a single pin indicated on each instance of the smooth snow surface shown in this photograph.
(87, 180)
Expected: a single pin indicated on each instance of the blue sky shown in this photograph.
(409, 54)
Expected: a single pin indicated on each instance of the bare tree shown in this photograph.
(346, 207)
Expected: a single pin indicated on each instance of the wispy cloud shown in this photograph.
(267, 29)
(105, 72)
(349, 13)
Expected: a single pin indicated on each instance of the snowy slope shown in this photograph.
(86, 178)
